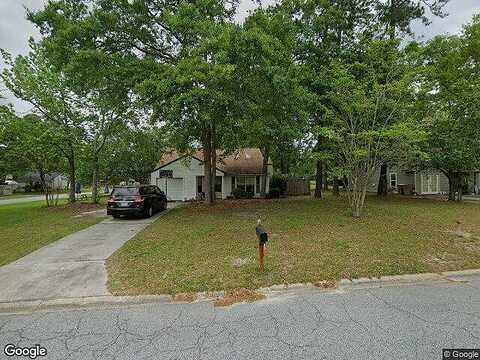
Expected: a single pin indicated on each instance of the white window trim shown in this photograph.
(396, 180)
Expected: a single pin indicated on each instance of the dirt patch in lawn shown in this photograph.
(239, 296)
(185, 297)
(326, 284)
(77, 208)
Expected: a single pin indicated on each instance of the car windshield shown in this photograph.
(125, 191)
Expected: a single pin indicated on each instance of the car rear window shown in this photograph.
(126, 191)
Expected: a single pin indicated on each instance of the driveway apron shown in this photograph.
(73, 266)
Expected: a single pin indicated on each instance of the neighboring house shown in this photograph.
(425, 182)
(181, 177)
(56, 180)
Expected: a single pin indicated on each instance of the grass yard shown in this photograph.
(27, 227)
(16, 195)
(196, 248)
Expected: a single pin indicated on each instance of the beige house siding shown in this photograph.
(186, 172)
(404, 177)
(441, 185)
(424, 182)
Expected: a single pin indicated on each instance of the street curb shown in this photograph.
(80, 303)
(448, 277)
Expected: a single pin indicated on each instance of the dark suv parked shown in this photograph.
(141, 200)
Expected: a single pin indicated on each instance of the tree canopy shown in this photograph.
(333, 82)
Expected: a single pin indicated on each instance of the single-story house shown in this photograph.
(56, 180)
(425, 182)
(181, 176)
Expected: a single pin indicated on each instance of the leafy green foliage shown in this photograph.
(369, 99)
(397, 15)
(449, 104)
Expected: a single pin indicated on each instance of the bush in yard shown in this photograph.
(274, 193)
(241, 194)
(278, 183)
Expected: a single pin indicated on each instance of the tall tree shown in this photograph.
(326, 33)
(28, 147)
(368, 98)
(450, 84)
(33, 79)
(270, 93)
(132, 153)
(175, 58)
(396, 17)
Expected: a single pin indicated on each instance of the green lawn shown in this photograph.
(192, 248)
(19, 195)
(27, 227)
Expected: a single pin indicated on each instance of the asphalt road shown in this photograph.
(398, 322)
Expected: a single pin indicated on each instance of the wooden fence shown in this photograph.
(297, 187)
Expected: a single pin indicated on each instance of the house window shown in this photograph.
(258, 184)
(246, 183)
(218, 184)
(199, 184)
(240, 182)
(393, 180)
(250, 185)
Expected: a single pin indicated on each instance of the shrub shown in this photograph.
(278, 183)
(274, 193)
(241, 194)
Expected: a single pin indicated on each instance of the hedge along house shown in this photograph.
(425, 182)
(181, 176)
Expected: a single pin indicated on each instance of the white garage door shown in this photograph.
(173, 188)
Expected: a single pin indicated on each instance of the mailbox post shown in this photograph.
(262, 236)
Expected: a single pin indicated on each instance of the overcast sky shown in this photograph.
(15, 30)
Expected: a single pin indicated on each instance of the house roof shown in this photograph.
(248, 161)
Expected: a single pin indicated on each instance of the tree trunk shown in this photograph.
(319, 180)
(325, 179)
(382, 189)
(451, 186)
(266, 155)
(460, 183)
(393, 19)
(95, 181)
(357, 192)
(71, 164)
(213, 162)
(207, 172)
(336, 189)
(213, 167)
(283, 164)
(44, 186)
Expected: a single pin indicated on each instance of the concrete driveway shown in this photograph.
(70, 267)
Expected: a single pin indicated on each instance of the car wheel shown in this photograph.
(150, 211)
(116, 216)
(164, 205)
